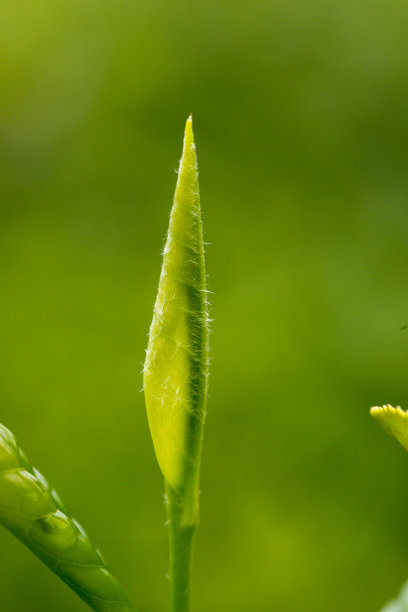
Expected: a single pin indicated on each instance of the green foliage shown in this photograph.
(176, 369)
(302, 151)
(31, 509)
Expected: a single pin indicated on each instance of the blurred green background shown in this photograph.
(301, 125)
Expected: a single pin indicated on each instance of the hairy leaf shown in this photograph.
(394, 421)
(176, 366)
(31, 509)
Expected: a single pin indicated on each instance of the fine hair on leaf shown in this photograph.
(176, 370)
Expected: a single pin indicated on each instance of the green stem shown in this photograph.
(181, 539)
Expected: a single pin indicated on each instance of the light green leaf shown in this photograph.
(31, 509)
(176, 366)
(394, 421)
(176, 371)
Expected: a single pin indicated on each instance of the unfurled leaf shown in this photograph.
(394, 421)
(31, 509)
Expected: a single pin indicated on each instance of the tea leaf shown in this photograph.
(394, 421)
(176, 366)
(32, 510)
(176, 370)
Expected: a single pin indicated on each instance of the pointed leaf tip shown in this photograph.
(188, 140)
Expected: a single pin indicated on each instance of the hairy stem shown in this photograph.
(181, 539)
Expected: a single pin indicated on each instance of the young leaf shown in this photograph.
(176, 366)
(176, 370)
(394, 421)
(31, 509)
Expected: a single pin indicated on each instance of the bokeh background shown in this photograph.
(301, 124)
